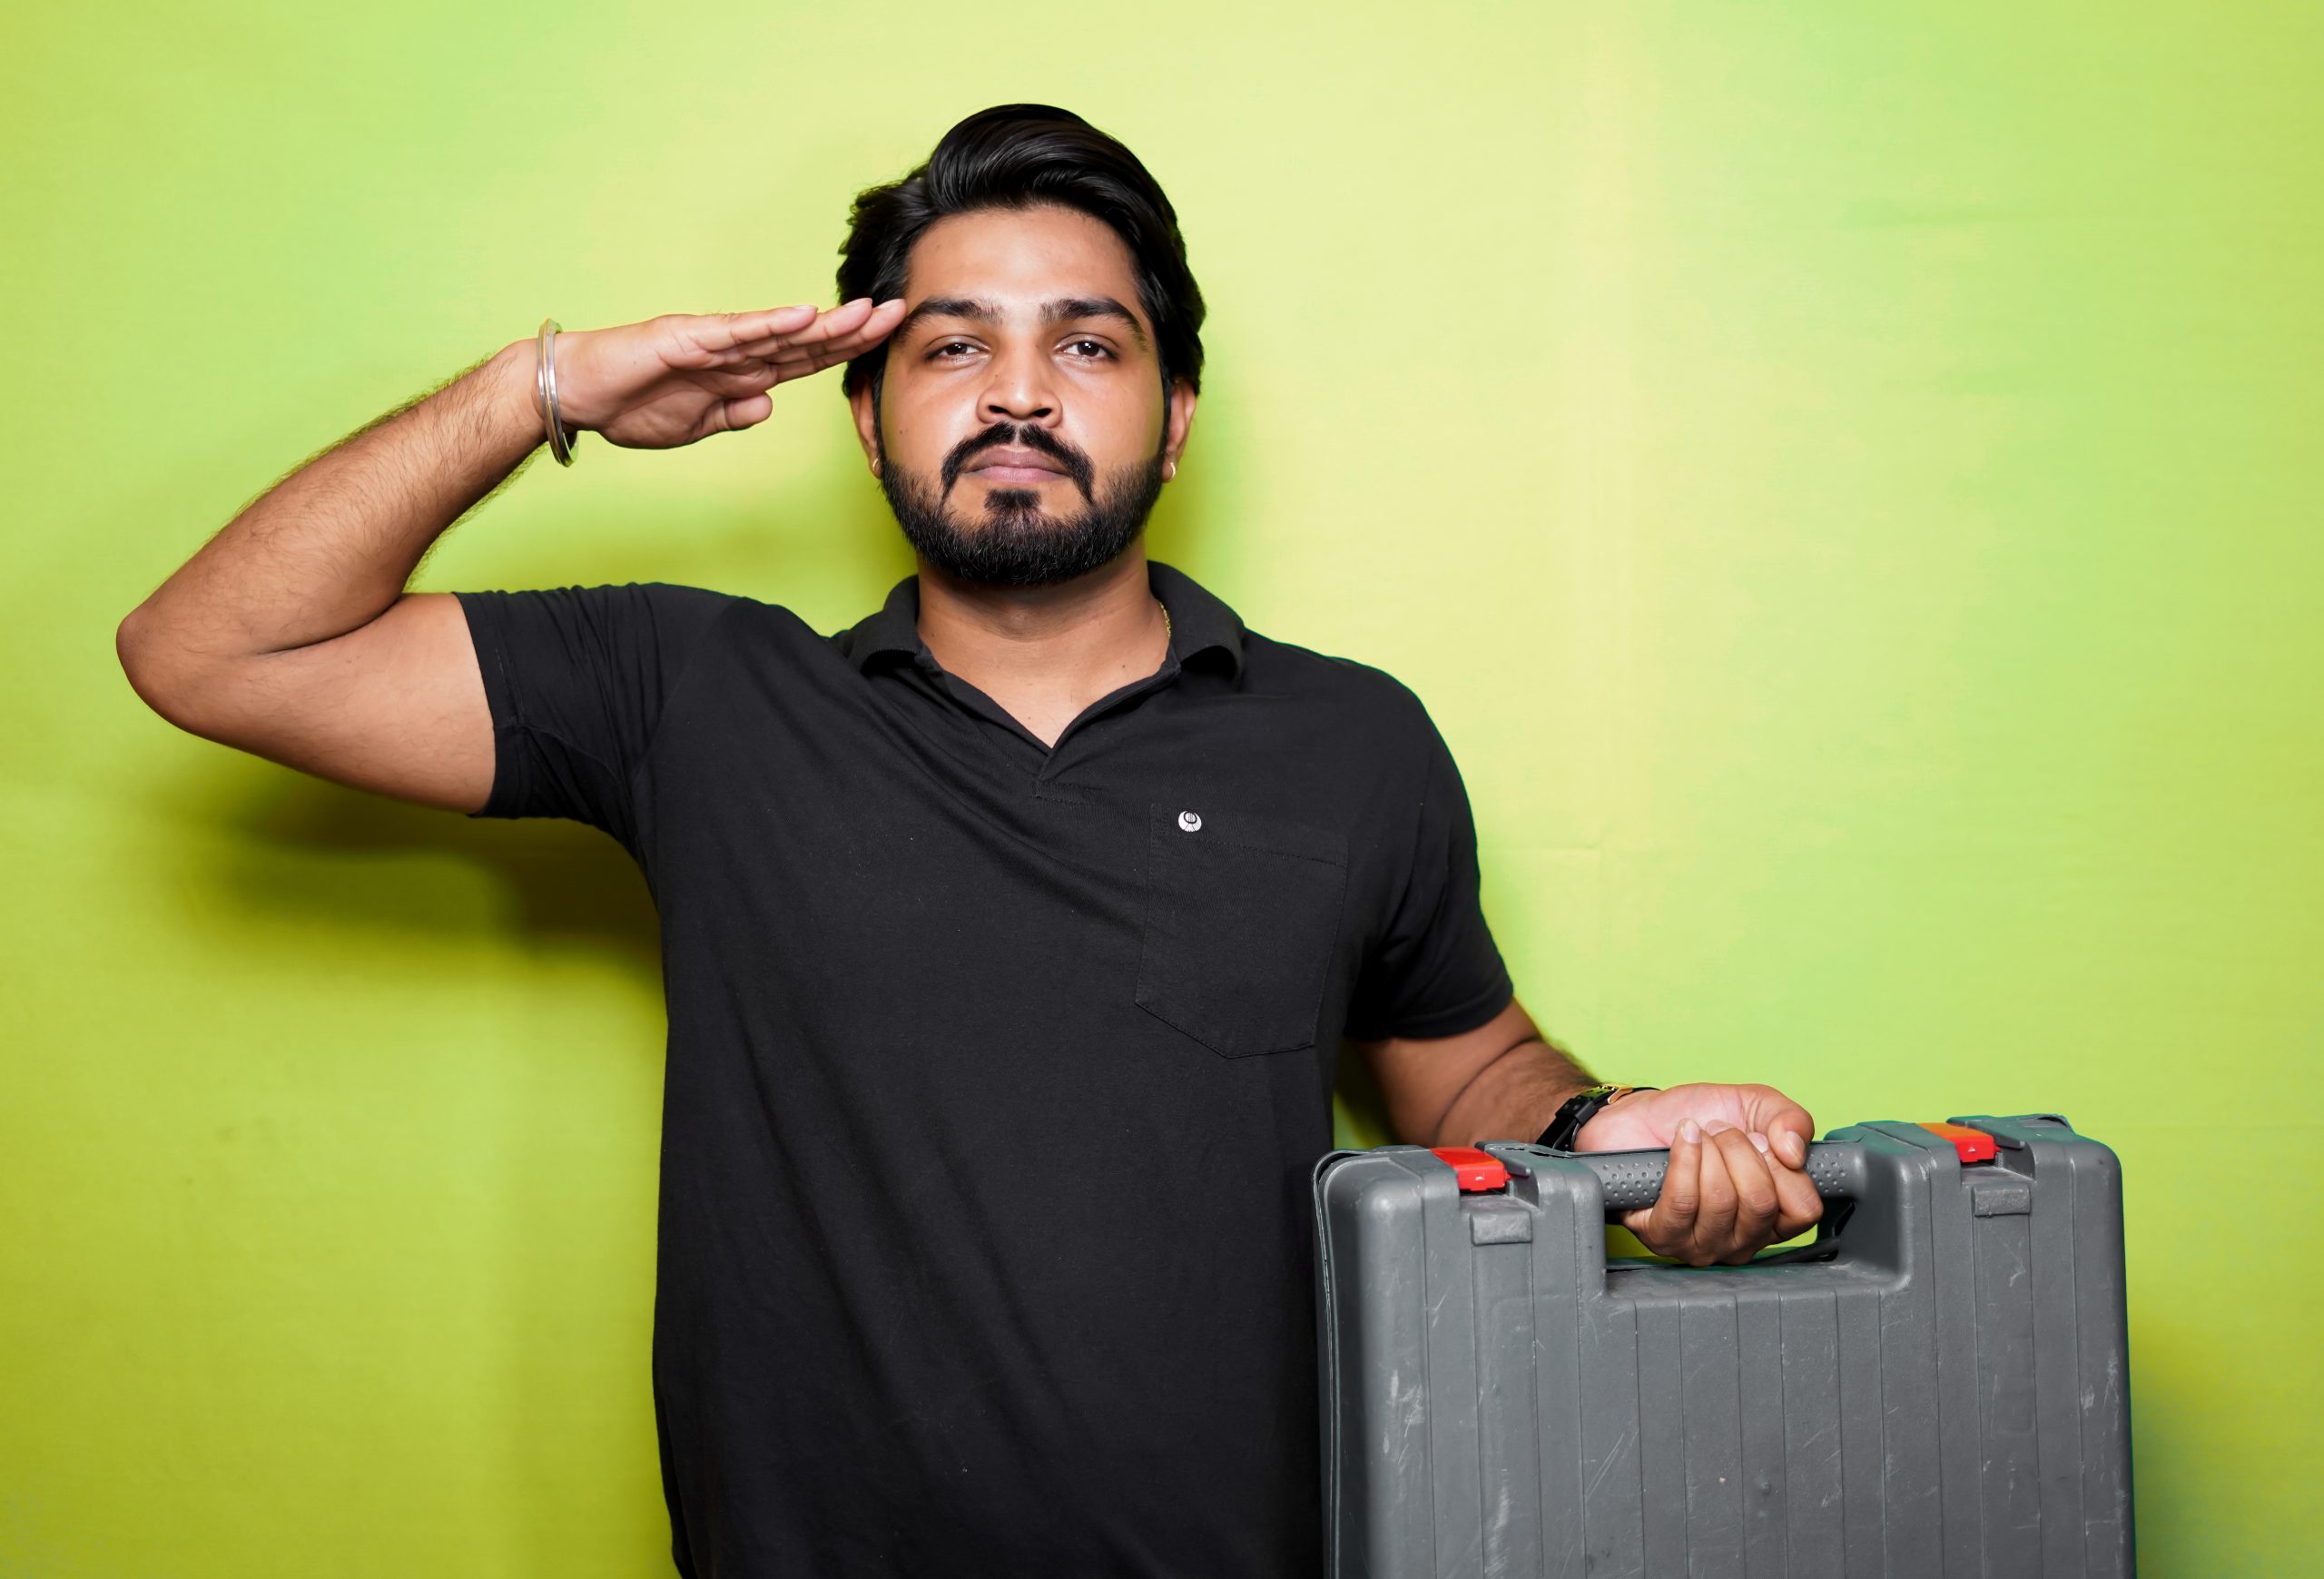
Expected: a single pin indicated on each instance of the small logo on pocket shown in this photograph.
(1191, 822)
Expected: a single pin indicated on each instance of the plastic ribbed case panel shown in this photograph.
(1938, 1387)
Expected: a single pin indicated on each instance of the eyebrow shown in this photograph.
(1062, 309)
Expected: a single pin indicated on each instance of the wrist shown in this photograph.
(1627, 1094)
(510, 398)
(1578, 1110)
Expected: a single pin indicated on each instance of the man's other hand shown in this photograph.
(1736, 1183)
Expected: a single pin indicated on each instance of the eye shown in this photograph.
(949, 345)
(1099, 347)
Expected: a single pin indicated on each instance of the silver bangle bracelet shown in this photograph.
(560, 437)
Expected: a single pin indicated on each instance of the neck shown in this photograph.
(1079, 639)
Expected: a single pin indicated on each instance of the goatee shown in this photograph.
(1018, 542)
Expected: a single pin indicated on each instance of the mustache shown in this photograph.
(1026, 437)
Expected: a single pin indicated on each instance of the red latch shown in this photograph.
(1974, 1145)
(1473, 1169)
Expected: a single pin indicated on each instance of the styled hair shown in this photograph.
(1015, 156)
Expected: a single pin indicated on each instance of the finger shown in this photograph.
(825, 325)
(790, 359)
(834, 322)
(734, 384)
(856, 341)
(1672, 1219)
(1755, 1196)
(876, 325)
(739, 331)
(814, 360)
(1787, 1125)
(746, 411)
(1799, 1208)
(828, 324)
(1715, 1221)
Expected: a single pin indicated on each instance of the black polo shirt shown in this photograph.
(995, 1072)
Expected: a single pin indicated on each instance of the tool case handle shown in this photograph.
(1633, 1179)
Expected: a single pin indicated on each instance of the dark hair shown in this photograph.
(1013, 156)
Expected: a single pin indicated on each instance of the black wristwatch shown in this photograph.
(1578, 1110)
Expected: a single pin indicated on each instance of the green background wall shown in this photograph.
(1842, 476)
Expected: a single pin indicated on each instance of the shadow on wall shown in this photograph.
(562, 883)
(556, 1329)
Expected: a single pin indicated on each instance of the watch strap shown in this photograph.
(1578, 1110)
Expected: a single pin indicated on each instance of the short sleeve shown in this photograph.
(1436, 970)
(576, 678)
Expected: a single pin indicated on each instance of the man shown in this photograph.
(1010, 935)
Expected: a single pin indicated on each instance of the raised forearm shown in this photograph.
(1514, 1097)
(331, 546)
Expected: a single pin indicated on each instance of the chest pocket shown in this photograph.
(1242, 918)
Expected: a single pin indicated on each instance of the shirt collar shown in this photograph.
(1199, 622)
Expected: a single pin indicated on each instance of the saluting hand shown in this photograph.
(681, 377)
(1736, 1182)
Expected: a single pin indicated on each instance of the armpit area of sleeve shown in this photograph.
(500, 698)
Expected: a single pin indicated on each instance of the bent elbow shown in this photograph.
(133, 647)
(157, 682)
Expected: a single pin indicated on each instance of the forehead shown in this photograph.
(1021, 256)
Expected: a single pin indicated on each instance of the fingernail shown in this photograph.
(1760, 1142)
(1691, 1131)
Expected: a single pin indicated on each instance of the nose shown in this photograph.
(1018, 387)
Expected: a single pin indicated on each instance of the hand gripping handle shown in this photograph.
(1633, 1179)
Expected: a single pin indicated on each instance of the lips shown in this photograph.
(1011, 464)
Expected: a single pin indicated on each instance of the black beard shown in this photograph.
(1019, 544)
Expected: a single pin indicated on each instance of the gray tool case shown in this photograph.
(1938, 1386)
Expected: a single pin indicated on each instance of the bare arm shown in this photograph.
(289, 634)
(1501, 1082)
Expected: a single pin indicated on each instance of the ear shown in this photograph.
(866, 412)
(1177, 424)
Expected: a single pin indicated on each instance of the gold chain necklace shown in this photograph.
(1166, 619)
